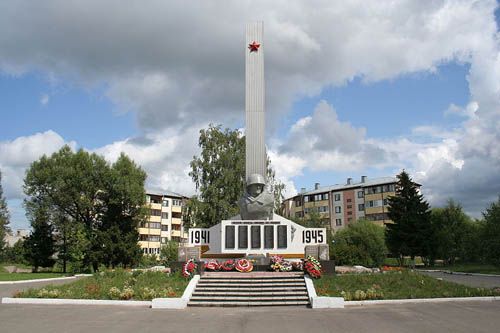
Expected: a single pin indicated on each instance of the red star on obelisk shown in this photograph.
(254, 47)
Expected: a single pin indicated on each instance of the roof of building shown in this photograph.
(341, 187)
(166, 193)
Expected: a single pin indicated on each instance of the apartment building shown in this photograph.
(341, 204)
(164, 223)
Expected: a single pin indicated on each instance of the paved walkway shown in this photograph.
(468, 280)
(431, 317)
(7, 290)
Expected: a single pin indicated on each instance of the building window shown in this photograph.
(349, 213)
(164, 203)
(155, 212)
(306, 198)
(323, 209)
(176, 202)
(385, 202)
(338, 222)
(317, 197)
(144, 238)
(325, 196)
(349, 206)
(349, 200)
(176, 215)
(164, 240)
(164, 215)
(154, 238)
(154, 225)
(298, 203)
(307, 210)
(360, 194)
(337, 197)
(361, 207)
(164, 227)
(337, 209)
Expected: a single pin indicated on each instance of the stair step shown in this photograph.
(249, 285)
(229, 280)
(250, 293)
(249, 299)
(247, 290)
(252, 303)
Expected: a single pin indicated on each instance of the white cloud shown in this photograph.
(181, 66)
(44, 100)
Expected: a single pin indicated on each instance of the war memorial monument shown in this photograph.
(257, 232)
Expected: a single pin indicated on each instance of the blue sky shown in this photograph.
(351, 90)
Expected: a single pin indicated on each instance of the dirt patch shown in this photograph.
(14, 269)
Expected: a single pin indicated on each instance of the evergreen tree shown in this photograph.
(411, 234)
(39, 246)
(4, 220)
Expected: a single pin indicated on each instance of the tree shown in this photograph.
(491, 233)
(411, 234)
(362, 243)
(39, 246)
(168, 253)
(4, 220)
(95, 207)
(15, 253)
(219, 176)
(451, 226)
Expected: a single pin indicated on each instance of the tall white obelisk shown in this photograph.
(254, 100)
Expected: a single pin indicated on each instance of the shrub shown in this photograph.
(362, 243)
(168, 253)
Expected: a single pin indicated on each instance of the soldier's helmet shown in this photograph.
(256, 179)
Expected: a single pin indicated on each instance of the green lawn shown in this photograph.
(118, 284)
(394, 285)
(29, 276)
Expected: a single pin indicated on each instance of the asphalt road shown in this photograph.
(468, 280)
(429, 317)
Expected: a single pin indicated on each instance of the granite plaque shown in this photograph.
(242, 237)
(324, 253)
(229, 237)
(268, 237)
(181, 253)
(193, 252)
(311, 250)
(255, 229)
(282, 237)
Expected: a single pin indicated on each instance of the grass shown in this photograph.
(28, 276)
(118, 284)
(394, 285)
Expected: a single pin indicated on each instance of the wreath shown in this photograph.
(228, 265)
(212, 265)
(244, 265)
(189, 267)
(313, 267)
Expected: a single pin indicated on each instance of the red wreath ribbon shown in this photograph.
(244, 265)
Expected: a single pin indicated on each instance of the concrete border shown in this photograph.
(60, 301)
(322, 302)
(48, 279)
(177, 303)
(422, 300)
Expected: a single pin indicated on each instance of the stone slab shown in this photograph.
(320, 302)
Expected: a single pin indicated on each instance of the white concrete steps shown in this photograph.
(250, 289)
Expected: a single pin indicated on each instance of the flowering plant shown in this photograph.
(298, 265)
(212, 265)
(244, 265)
(228, 265)
(393, 269)
(189, 267)
(278, 264)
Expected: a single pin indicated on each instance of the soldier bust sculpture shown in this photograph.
(257, 202)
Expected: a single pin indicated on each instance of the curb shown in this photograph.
(59, 301)
(422, 300)
(322, 302)
(43, 280)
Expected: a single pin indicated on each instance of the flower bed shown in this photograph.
(115, 285)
